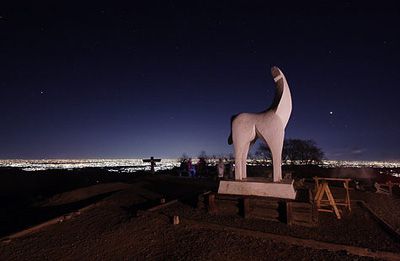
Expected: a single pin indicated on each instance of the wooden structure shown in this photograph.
(386, 188)
(301, 211)
(152, 161)
(322, 189)
(265, 209)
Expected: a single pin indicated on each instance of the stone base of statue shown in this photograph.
(258, 187)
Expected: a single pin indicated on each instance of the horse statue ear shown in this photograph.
(275, 72)
(282, 104)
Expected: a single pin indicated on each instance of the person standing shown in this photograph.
(221, 169)
(191, 168)
(231, 170)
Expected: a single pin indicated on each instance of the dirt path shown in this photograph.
(117, 228)
(152, 237)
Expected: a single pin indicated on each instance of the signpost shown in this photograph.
(152, 161)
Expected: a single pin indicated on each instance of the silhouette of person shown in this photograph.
(221, 168)
(191, 168)
(231, 170)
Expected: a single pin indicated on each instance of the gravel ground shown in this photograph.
(357, 229)
(117, 229)
(151, 237)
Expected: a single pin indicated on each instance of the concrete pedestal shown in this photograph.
(258, 187)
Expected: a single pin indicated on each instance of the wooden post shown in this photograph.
(289, 214)
(323, 189)
(318, 194)
(390, 185)
(152, 161)
(347, 200)
(175, 220)
(331, 199)
(316, 184)
(211, 206)
(244, 207)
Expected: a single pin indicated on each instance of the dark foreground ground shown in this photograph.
(117, 227)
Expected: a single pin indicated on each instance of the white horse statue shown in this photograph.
(268, 125)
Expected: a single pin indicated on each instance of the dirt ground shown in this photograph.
(119, 228)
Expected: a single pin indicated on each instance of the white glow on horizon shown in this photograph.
(133, 165)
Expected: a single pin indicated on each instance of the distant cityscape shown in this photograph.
(133, 165)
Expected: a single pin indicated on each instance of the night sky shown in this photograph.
(163, 78)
